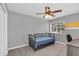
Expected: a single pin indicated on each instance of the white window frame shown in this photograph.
(56, 27)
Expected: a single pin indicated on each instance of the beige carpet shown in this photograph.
(56, 49)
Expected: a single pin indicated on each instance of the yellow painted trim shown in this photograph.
(71, 24)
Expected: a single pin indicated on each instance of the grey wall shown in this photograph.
(74, 32)
(19, 26)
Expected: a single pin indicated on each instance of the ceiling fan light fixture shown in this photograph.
(47, 16)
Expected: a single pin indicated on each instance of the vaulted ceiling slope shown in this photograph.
(32, 8)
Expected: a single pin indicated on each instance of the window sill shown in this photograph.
(57, 32)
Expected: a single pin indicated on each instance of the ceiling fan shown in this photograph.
(49, 12)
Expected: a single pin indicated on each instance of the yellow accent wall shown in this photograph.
(72, 24)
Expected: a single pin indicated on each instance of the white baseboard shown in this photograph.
(17, 47)
(27, 45)
(60, 42)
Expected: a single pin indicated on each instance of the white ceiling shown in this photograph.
(31, 8)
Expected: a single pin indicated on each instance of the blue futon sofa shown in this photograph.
(40, 40)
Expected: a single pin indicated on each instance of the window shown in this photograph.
(58, 27)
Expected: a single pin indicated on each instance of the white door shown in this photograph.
(3, 32)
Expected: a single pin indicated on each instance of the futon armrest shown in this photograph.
(31, 37)
(31, 40)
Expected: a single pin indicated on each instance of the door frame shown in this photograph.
(4, 24)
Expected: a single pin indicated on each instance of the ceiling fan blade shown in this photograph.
(56, 11)
(40, 13)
